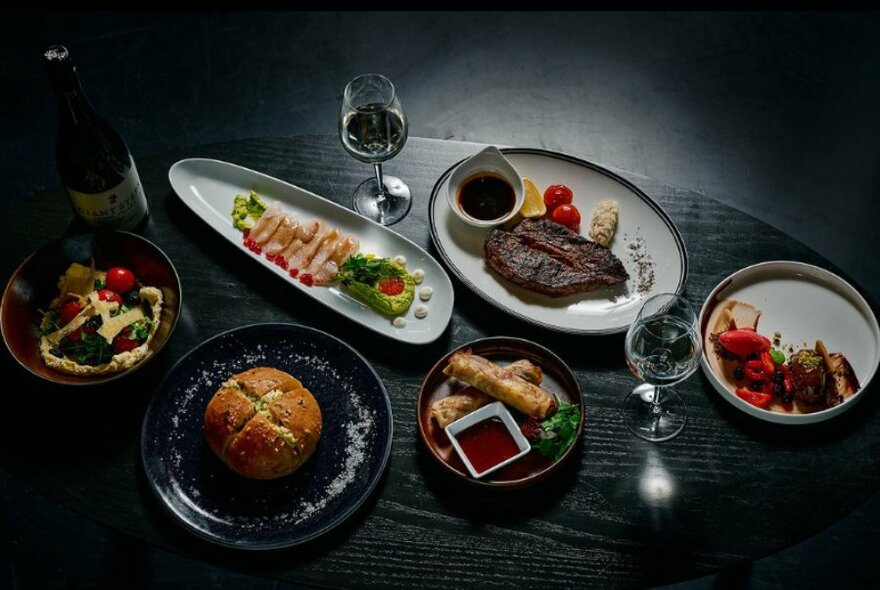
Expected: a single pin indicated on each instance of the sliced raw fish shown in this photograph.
(301, 257)
(267, 224)
(282, 237)
(308, 230)
(345, 247)
(324, 252)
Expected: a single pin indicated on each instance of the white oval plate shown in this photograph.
(208, 187)
(603, 311)
(804, 303)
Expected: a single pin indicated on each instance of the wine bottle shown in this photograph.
(93, 160)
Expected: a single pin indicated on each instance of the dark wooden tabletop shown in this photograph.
(624, 513)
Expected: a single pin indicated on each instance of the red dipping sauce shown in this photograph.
(487, 444)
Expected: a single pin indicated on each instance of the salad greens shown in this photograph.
(555, 435)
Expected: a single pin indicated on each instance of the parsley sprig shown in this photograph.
(368, 271)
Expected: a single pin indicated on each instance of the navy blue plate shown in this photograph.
(215, 503)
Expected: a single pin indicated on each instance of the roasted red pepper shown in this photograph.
(743, 342)
(760, 400)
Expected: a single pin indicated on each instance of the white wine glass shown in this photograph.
(662, 348)
(373, 129)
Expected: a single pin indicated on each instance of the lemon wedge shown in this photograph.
(533, 205)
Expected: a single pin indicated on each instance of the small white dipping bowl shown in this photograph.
(490, 161)
(493, 410)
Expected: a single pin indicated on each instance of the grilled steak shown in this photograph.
(548, 258)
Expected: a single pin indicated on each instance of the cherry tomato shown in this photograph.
(761, 400)
(108, 295)
(69, 311)
(567, 215)
(557, 194)
(123, 342)
(120, 279)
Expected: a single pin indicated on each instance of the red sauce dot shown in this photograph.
(294, 272)
(307, 279)
(281, 262)
(391, 287)
(246, 232)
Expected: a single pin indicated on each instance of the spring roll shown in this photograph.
(448, 409)
(501, 383)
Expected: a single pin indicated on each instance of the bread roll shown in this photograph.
(263, 423)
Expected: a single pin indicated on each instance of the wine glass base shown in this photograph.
(644, 420)
(385, 209)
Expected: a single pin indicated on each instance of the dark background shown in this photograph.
(773, 113)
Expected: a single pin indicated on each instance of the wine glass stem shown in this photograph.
(378, 168)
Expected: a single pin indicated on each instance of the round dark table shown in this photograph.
(624, 513)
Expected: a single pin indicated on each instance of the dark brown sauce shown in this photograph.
(486, 196)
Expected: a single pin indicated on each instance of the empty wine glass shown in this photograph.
(373, 129)
(662, 348)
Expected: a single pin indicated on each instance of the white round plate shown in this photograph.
(803, 303)
(603, 311)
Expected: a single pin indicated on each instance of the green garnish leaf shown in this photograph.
(777, 356)
(368, 271)
(99, 284)
(560, 431)
(141, 329)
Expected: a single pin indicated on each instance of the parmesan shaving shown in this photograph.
(114, 326)
(75, 323)
(78, 279)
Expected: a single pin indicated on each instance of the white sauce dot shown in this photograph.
(425, 293)
(421, 311)
(399, 322)
(418, 275)
(401, 260)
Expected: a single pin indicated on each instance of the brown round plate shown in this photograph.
(558, 379)
(35, 282)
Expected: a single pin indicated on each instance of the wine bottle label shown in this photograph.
(121, 207)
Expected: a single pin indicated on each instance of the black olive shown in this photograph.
(738, 374)
(95, 322)
(779, 377)
(786, 399)
(755, 386)
(56, 352)
(133, 298)
(779, 389)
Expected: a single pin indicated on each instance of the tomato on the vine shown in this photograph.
(120, 279)
(567, 215)
(557, 194)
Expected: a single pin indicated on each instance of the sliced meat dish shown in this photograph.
(548, 258)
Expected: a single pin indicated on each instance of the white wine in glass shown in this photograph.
(373, 129)
(662, 348)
